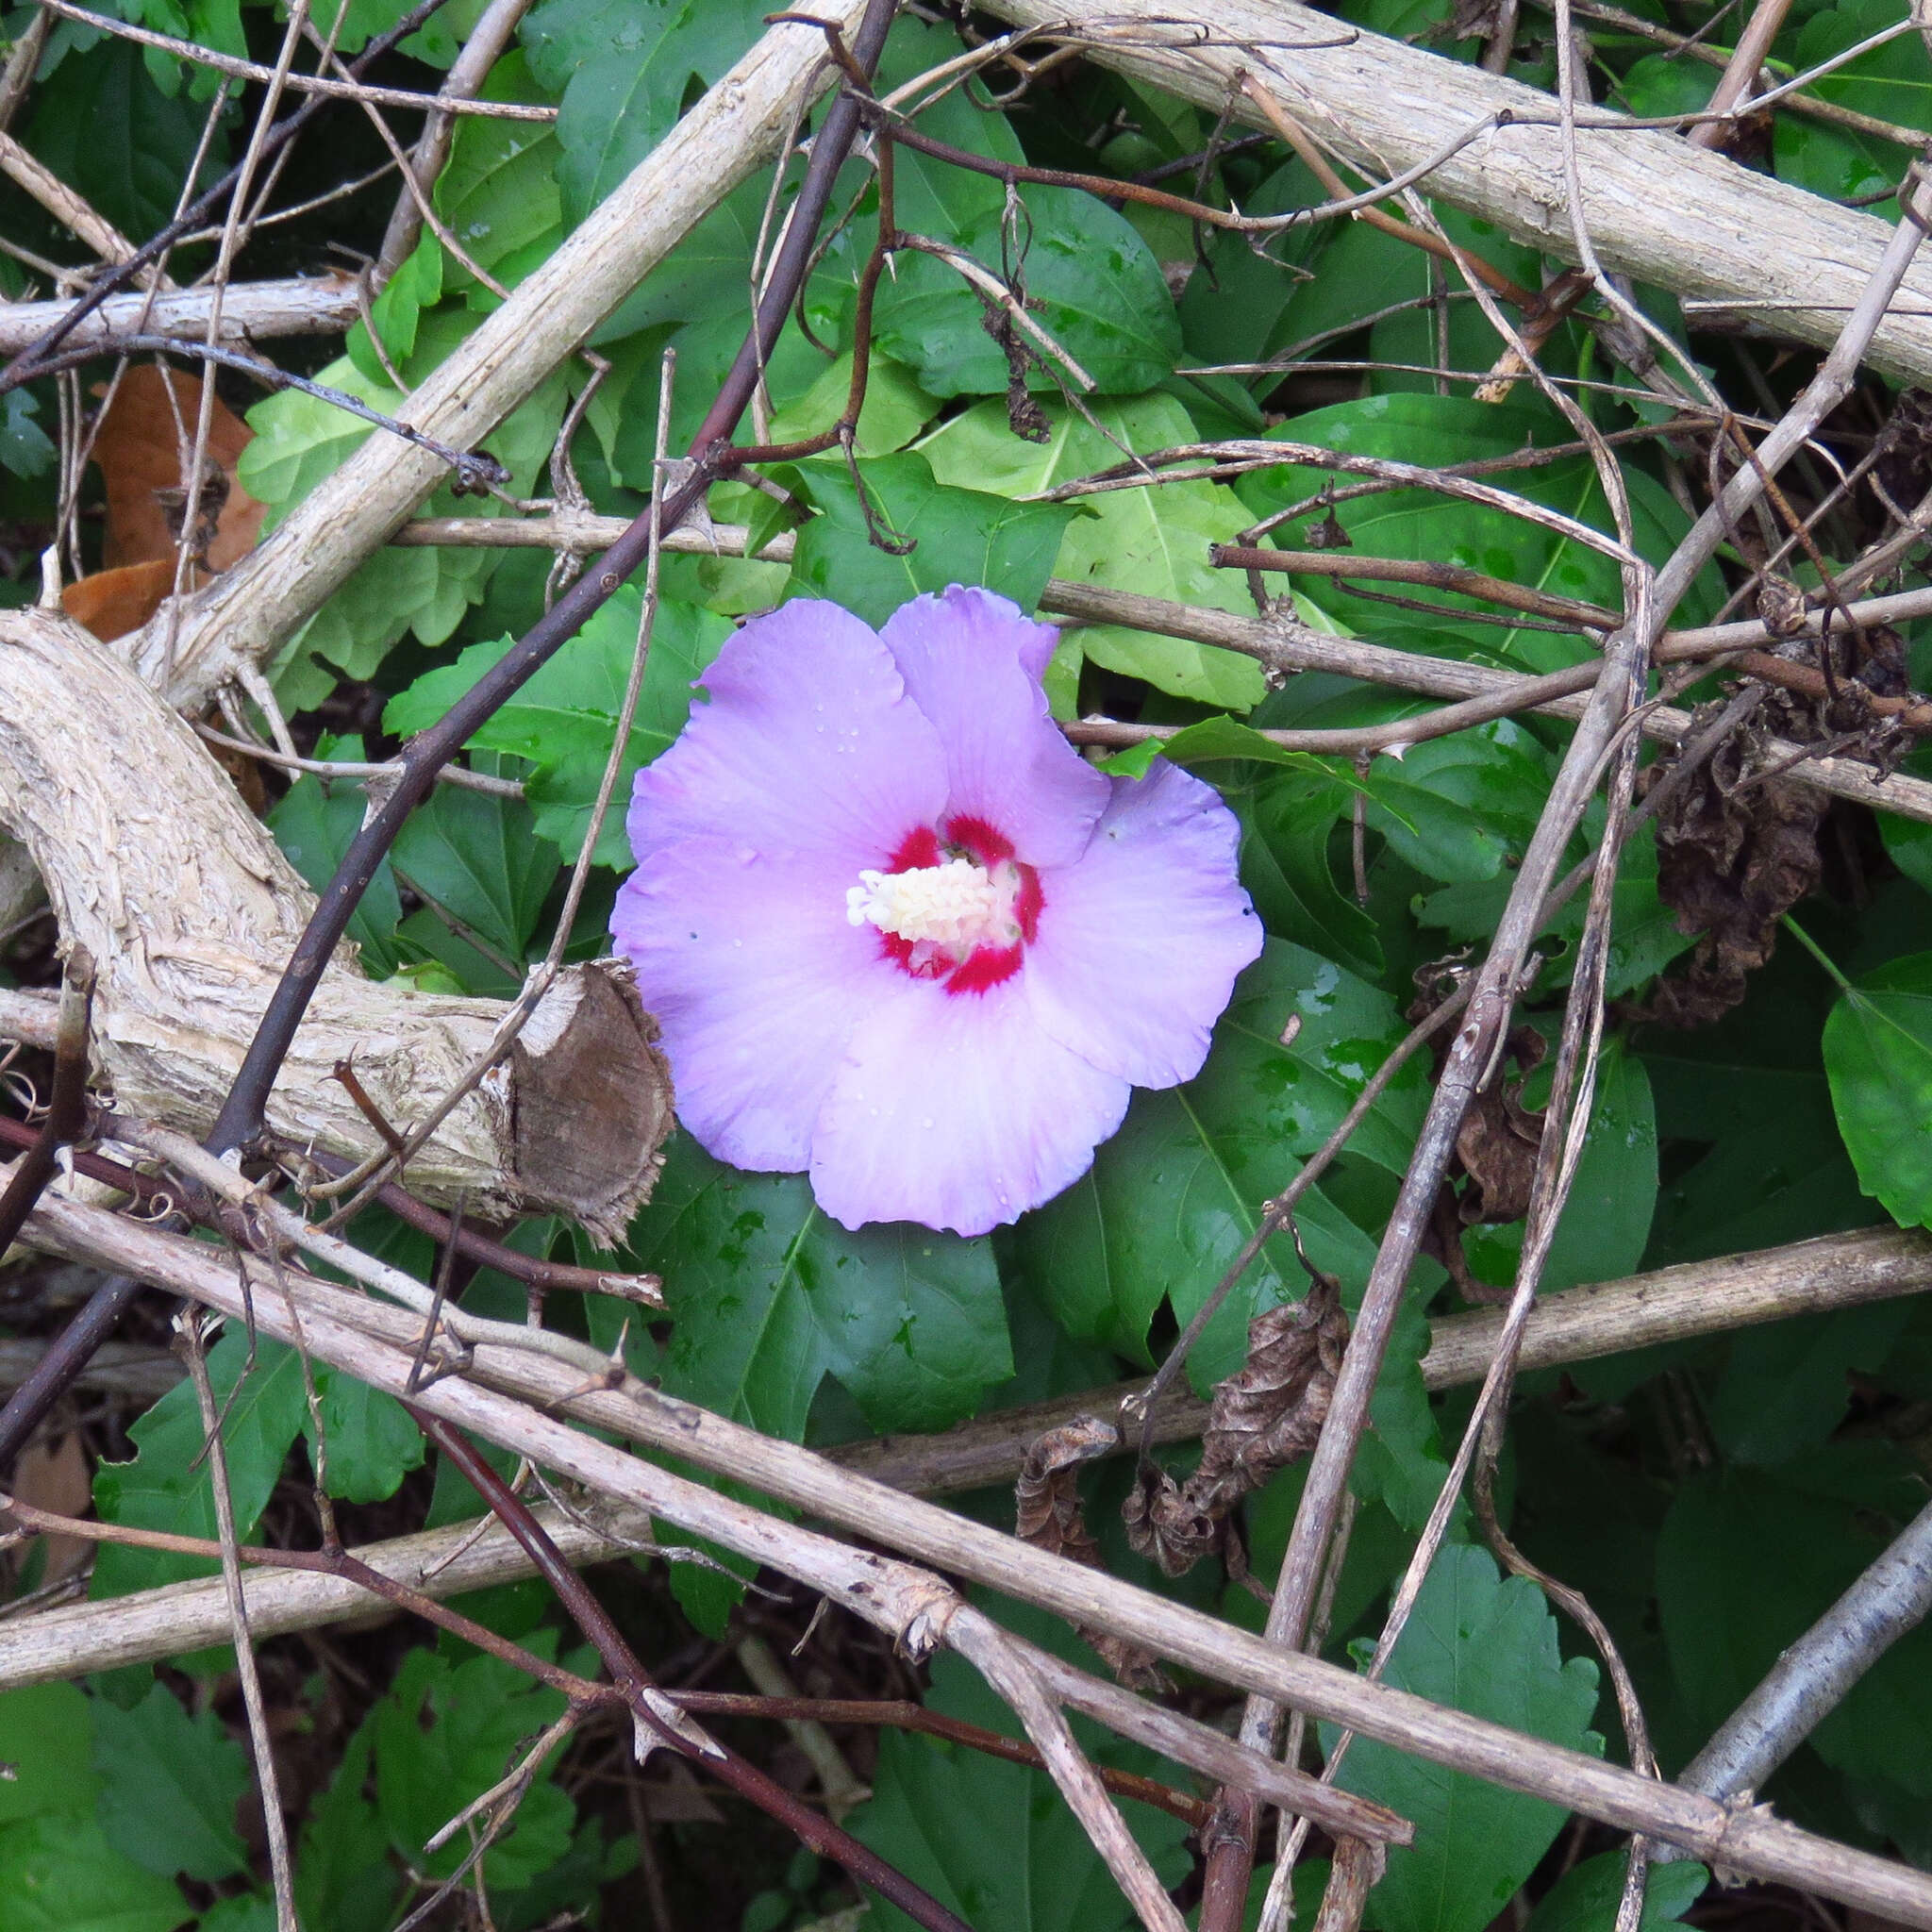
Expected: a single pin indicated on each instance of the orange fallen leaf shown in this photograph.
(139, 451)
(56, 1475)
(111, 603)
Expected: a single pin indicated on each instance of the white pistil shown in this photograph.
(956, 904)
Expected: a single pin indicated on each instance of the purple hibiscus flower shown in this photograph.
(898, 932)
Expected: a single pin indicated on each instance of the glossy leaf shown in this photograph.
(1099, 293)
(444, 1735)
(768, 1297)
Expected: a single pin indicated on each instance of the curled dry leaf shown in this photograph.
(1047, 1514)
(1261, 1421)
(1733, 856)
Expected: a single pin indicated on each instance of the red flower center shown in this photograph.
(953, 904)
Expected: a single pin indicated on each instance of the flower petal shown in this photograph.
(972, 663)
(957, 1112)
(1140, 939)
(809, 744)
(757, 980)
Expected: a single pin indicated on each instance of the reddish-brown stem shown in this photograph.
(816, 1833)
(66, 1105)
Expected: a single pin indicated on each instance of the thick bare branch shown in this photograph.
(187, 904)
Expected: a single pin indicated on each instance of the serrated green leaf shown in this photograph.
(1153, 541)
(958, 537)
(498, 192)
(166, 1485)
(1889, 83)
(564, 719)
(170, 1784)
(1878, 1055)
(344, 1879)
(768, 1296)
(102, 124)
(993, 1841)
(1585, 1899)
(623, 70)
(444, 1735)
(61, 1875)
(1484, 1644)
(481, 859)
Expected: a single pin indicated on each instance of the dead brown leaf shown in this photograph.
(55, 1475)
(1047, 1514)
(111, 603)
(139, 449)
(1261, 1421)
(1733, 856)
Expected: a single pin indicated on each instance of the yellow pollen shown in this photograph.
(955, 903)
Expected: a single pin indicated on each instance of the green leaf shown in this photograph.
(894, 411)
(479, 857)
(1606, 1220)
(313, 824)
(931, 197)
(372, 1442)
(1878, 1055)
(564, 719)
(1099, 293)
(768, 1296)
(1414, 523)
(344, 1879)
(1177, 1190)
(1585, 1899)
(1464, 807)
(622, 69)
(958, 537)
(498, 192)
(396, 313)
(126, 148)
(1889, 83)
(64, 1874)
(1213, 741)
(170, 1784)
(1746, 1563)
(1286, 828)
(444, 1735)
(1151, 541)
(45, 1736)
(23, 445)
(992, 1841)
(1485, 1644)
(166, 1485)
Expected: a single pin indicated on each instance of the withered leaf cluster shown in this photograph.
(1733, 856)
(1261, 1421)
(1047, 1514)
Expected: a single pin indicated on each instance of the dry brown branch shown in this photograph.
(1658, 209)
(156, 866)
(251, 311)
(366, 1340)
